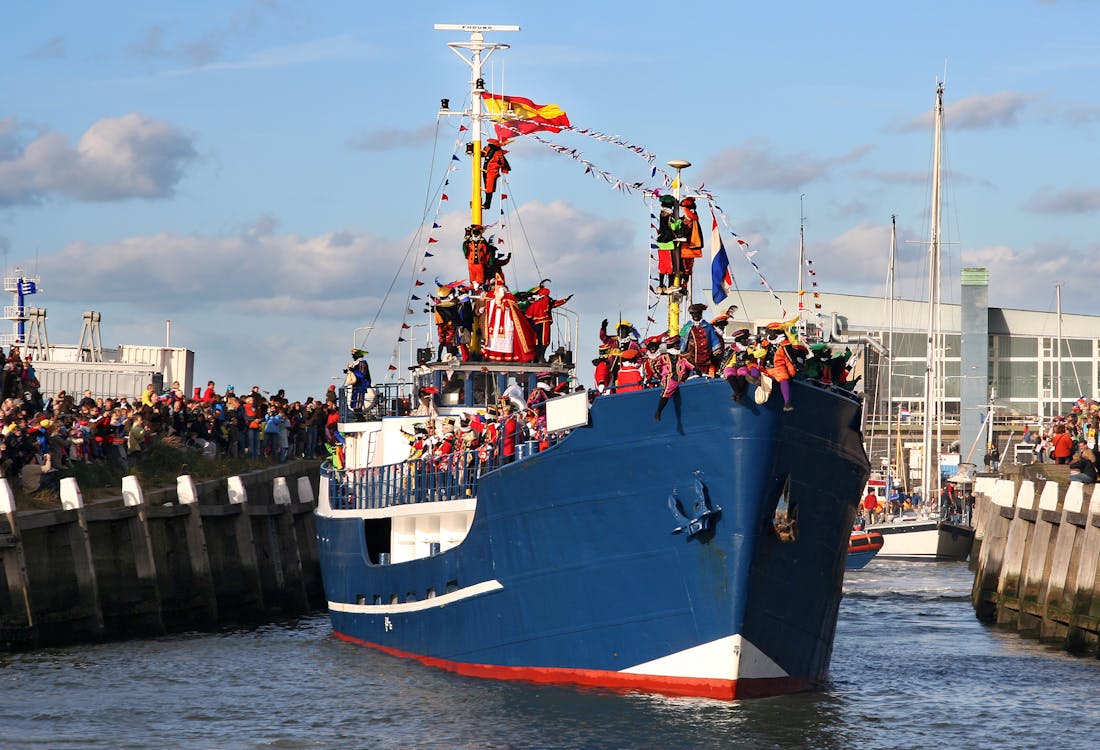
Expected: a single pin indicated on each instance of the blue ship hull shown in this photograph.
(571, 571)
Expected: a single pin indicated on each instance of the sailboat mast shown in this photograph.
(1058, 351)
(932, 367)
(801, 263)
(479, 52)
(890, 356)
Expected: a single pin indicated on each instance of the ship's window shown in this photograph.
(394, 599)
(429, 594)
(360, 598)
(377, 598)
(410, 597)
(452, 586)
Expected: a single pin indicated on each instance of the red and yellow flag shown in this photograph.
(525, 116)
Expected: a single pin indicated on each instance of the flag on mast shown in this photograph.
(516, 115)
(720, 280)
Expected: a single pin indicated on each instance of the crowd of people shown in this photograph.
(773, 354)
(1069, 440)
(953, 502)
(43, 435)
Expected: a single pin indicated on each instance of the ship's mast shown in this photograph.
(932, 360)
(479, 52)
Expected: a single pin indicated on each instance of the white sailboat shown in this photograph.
(937, 535)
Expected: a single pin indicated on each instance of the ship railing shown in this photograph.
(371, 404)
(431, 478)
(453, 476)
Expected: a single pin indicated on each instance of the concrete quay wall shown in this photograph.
(200, 555)
(1037, 548)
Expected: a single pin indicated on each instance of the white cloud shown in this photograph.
(757, 166)
(132, 156)
(1069, 201)
(978, 112)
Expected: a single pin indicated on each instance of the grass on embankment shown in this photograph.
(159, 466)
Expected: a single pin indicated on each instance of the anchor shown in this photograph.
(703, 515)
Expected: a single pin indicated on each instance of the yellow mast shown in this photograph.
(674, 297)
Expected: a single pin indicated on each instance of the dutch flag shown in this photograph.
(720, 280)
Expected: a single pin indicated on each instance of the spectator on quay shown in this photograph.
(1083, 465)
(209, 396)
(993, 457)
(149, 395)
(1061, 444)
(135, 437)
(40, 474)
(272, 426)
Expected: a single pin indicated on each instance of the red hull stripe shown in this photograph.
(616, 681)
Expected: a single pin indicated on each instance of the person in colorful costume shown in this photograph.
(699, 342)
(509, 336)
(626, 356)
(669, 239)
(478, 254)
(672, 369)
(780, 366)
(692, 234)
(740, 367)
(446, 322)
(601, 376)
(540, 312)
(360, 370)
(494, 164)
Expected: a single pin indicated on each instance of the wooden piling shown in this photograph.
(998, 509)
(1015, 555)
(16, 614)
(125, 569)
(1038, 560)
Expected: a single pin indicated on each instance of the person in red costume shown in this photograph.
(539, 311)
(494, 164)
(478, 255)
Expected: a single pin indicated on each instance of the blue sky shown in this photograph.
(256, 172)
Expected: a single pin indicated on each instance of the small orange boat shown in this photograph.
(862, 546)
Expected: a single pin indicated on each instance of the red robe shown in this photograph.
(509, 336)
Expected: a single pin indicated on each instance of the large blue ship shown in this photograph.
(699, 554)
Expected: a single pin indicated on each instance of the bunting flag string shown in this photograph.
(459, 145)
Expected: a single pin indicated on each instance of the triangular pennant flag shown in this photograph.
(399, 339)
(462, 128)
(434, 225)
(409, 311)
(428, 255)
(431, 240)
(454, 157)
(418, 283)
(445, 197)
(391, 367)
(504, 196)
(414, 297)
(405, 325)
